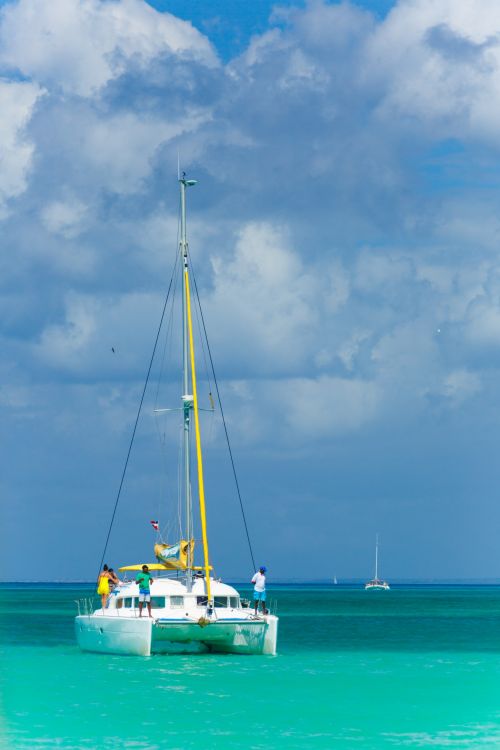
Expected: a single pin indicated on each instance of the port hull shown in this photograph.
(114, 635)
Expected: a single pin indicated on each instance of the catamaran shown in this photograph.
(376, 583)
(192, 611)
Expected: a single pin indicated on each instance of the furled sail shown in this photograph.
(169, 556)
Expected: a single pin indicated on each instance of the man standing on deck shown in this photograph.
(144, 579)
(259, 590)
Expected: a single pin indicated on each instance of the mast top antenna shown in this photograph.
(187, 183)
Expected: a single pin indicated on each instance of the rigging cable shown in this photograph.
(223, 418)
(136, 423)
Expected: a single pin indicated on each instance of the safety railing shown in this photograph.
(272, 606)
(85, 606)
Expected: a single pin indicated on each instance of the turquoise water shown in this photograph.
(414, 667)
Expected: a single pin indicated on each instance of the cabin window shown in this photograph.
(234, 602)
(128, 602)
(176, 601)
(220, 601)
(158, 602)
(119, 603)
(201, 601)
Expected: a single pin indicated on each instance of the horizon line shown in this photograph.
(290, 581)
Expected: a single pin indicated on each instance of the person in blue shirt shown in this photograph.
(144, 580)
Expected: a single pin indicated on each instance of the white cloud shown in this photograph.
(262, 297)
(375, 269)
(64, 345)
(407, 356)
(263, 45)
(461, 385)
(302, 70)
(17, 102)
(94, 325)
(120, 148)
(298, 410)
(270, 311)
(80, 45)
(326, 406)
(350, 348)
(482, 322)
(65, 217)
(439, 63)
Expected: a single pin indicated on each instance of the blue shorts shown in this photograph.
(259, 596)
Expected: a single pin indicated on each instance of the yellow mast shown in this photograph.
(201, 486)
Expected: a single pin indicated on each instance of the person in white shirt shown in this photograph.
(259, 590)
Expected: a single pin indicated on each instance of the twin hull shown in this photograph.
(144, 636)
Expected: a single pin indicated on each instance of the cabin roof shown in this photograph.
(174, 587)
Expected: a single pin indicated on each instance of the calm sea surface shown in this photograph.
(413, 667)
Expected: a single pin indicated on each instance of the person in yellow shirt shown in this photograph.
(106, 577)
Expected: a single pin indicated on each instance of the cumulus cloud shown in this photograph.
(17, 102)
(93, 326)
(80, 45)
(460, 385)
(326, 406)
(62, 345)
(105, 140)
(441, 65)
(268, 293)
(481, 322)
(65, 217)
(282, 308)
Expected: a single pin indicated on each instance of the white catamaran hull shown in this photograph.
(377, 587)
(114, 635)
(144, 636)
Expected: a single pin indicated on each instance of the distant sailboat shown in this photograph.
(335, 580)
(376, 584)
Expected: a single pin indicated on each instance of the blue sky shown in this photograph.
(231, 25)
(345, 234)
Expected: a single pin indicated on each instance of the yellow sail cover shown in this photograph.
(174, 556)
(169, 556)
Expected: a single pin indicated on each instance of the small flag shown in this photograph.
(155, 525)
